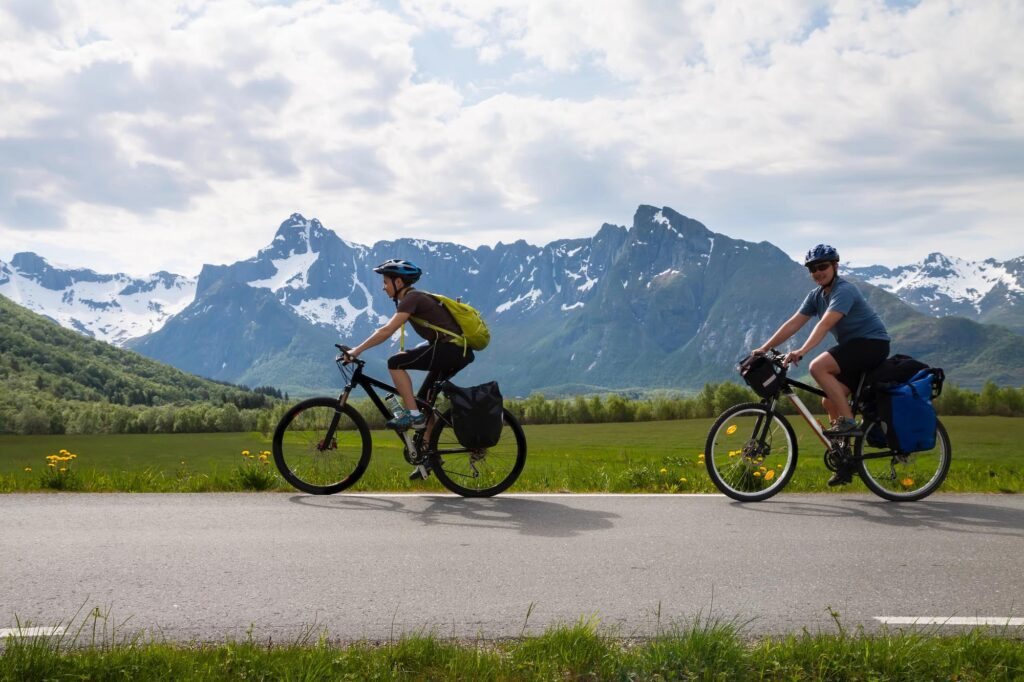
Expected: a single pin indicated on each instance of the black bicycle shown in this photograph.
(322, 445)
(751, 450)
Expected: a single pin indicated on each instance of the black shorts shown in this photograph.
(441, 360)
(856, 357)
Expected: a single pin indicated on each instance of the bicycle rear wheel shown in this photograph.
(477, 473)
(311, 461)
(903, 478)
(747, 461)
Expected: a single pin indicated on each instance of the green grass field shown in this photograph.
(626, 457)
(700, 650)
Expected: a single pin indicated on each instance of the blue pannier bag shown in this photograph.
(907, 411)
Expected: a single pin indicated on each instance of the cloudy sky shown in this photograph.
(138, 135)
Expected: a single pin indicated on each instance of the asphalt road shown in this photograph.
(212, 566)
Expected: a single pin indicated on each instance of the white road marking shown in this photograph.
(52, 631)
(566, 496)
(950, 620)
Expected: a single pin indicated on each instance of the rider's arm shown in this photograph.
(382, 334)
(788, 328)
(828, 320)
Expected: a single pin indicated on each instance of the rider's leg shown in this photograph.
(825, 371)
(403, 384)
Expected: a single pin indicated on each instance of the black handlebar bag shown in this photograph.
(477, 414)
(761, 374)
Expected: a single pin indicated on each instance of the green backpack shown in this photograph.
(475, 333)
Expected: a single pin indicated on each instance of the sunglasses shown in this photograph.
(819, 267)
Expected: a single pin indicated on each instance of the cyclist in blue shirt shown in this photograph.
(862, 341)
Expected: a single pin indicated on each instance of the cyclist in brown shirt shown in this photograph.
(436, 355)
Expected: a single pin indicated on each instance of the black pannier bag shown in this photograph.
(761, 374)
(476, 414)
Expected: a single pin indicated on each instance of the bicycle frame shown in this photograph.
(368, 383)
(791, 395)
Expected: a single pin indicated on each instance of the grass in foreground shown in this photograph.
(623, 457)
(702, 650)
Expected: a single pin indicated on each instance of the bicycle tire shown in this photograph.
(494, 469)
(898, 483)
(738, 465)
(298, 451)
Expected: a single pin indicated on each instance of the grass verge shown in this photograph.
(620, 457)
(702, 650)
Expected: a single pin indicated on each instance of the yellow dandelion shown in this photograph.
(763, 468)
(52, 465)
(663, 470)
(245, 453)
(28, 468)
(769, 475)
(682, 479)
(778, 466)
(701, 455)
(62, 469)
(263, 457)
(64, 452)
(757, 473)
(731, 430)
(72, 456)
(907, 482)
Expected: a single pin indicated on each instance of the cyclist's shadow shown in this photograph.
(947, 514)
(523, 515)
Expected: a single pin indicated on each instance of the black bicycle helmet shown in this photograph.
(396, 267)
(820, 254)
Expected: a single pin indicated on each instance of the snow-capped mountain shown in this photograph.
(940, 286)
(112, 308)
(665, 302)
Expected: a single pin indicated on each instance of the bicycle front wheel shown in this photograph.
(898, 477)
(477, 473)
(750, 452)
(321, 447)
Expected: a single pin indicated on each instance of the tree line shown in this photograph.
(43, 415)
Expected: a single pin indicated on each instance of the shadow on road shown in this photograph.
(942, 514)
(526, 516)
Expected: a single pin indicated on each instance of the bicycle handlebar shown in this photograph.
(344, 358)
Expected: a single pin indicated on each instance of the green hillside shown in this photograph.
(41, 362)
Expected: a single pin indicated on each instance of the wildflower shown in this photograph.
(778, 466)
(907, 482)
(762, 468)
(769, 475)
(245, 453)
(28, 468)
(63, 469)
(731, 430)
(663, 470)
(264, 455)
(682, 479)
(52, 465)
(757, 473)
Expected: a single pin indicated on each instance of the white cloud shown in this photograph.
(165, 135)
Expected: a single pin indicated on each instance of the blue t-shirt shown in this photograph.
(859, 320)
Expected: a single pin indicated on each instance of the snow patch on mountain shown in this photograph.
(112, 308)
(940, 277)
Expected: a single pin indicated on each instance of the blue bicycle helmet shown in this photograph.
(396, 267)
(820, 254)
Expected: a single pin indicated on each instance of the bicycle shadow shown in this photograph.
(521, 515)
(951, 515)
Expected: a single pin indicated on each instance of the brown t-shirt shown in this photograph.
(424, 306)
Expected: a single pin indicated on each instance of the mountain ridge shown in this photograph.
(666, 302)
